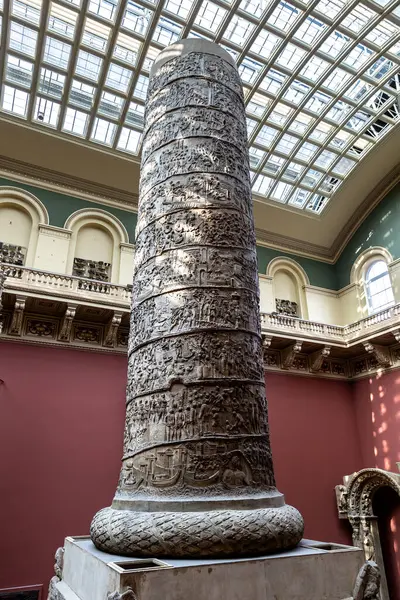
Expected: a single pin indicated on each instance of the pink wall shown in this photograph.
(61, 428)
(314, 443)
(377, 405)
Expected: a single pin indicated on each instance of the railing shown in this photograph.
(25, 279)
(385, 319)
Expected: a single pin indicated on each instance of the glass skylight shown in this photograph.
(321, 79)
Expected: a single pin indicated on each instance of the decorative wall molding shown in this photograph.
(53, 231)
(354, 501)
(62, 310)
(69, 185)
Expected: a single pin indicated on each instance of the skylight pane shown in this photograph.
(238, 31)
(286, 144)
(299, 198)
(56, 53)
(88, 65)
(28, 11)
(51, 83)
(118, 77)
(95, 35)
(290, 56)
(314, 69)
(334, 44)
(325, 159)
(344, 166)
(264, 44)
(331, 8)
(19, 71)
(82, 94)
(75, 122)
(103, 131)
(254, 7)
(129, 140)
(46, 112)
(249, 70)
(266, 136)
(62, 21)
(126, 49)
(167, 32)
(15, 101)
(358, 18)
(141, 87)
(110, 105)
(281, 191)
(273, 81)
(310, 30)
(262, 184)
(210, 16)
(103, 8)
(284, 16)
(23, 39)
(257, 105)
(179, 7)
(135, 115)
(136, 18)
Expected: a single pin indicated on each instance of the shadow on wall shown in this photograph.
(377, 404)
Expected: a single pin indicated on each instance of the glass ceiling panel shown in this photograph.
(321, 80)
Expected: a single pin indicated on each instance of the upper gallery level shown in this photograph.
(68, 266)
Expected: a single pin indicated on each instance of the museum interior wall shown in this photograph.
(63, 408)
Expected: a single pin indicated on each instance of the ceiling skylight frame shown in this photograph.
(284, 105)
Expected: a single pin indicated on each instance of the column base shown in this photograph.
(312, 571)
(213, 533)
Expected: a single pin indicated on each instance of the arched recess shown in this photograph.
(289, 281)
(355, 503)
(20, 215)
(359, 271)
(97, 235)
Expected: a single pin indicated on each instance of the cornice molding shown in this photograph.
(61, 183)
(56, 181)
(363, 211)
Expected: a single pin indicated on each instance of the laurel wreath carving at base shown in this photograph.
(197, 534)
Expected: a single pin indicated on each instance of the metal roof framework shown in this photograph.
(321, 78)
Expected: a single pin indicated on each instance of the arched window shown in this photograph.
(378, 286)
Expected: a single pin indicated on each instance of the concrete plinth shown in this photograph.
(312, 571)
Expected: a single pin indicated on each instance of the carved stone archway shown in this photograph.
(354, 500)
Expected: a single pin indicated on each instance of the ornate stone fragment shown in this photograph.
(197, 476)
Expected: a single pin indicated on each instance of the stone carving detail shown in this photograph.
(368, 582)
(317, 358)
(380, 353)
(66, 326)
(286, 307)
(40, 328)
(110, 336)
(197, 475)
(11, 254)
(91, 269)
(3, 277)
(17, 317)
(87, 334)
(354, 500)
(54, 594)
(289, 354)
(128, 594)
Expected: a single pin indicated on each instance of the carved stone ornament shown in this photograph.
(286, 307)
(355, 502)
(53, 593)
(380, 353)
(197, 476)
(368, 582)
(128, 594)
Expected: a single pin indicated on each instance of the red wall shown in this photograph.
(314, 443)
(61, 428)
(377, 405)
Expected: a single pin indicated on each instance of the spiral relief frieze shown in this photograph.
(196, 433)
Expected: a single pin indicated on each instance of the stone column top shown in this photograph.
(189, 45)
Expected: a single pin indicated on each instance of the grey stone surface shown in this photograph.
(312, 571)
(197, 476)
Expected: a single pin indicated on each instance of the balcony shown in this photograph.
(66, 310)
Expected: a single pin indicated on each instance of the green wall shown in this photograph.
(320, 274)
(380, 228)
(61, 206)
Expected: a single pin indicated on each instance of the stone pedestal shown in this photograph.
(312, 571)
